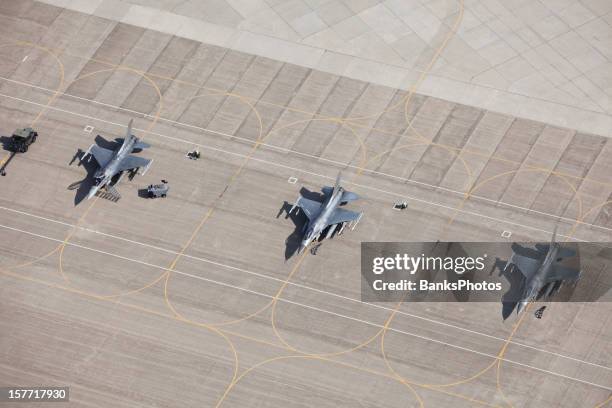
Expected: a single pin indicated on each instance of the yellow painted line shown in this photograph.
(4, 159)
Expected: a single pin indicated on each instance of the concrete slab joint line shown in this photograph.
(200, 292)
(473, 196)
(508, 61)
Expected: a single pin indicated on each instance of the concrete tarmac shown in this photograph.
(199, 299)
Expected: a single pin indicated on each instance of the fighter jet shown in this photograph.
(541, 270)
(113, 163)
(327, 214)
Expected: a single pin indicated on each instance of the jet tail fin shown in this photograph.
(129, 130)
(338, 180)
(138, 145)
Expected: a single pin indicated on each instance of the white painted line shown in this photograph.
(280, 299)
(25, 58)
(278, 148)
(332, 178)
(298, 285)
(329, 178)
(506, 234)
(357, 221)
(147, 167)
(292, 180)
(88, 129)
(322, 176)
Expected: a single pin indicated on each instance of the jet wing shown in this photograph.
(132, 162)
(311, 208)
(566, 253)
(563, 273)
(341, 215)
(103, 156)
(527, 266)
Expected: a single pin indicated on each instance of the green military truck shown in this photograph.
(22, 139)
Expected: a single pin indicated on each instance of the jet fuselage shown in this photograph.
(534, 285)
(316, 227)
(104, 174)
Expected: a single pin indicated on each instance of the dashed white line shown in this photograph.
(313, 173)
(301, 286)
(313, 308)
(348, 165)
(317, 175)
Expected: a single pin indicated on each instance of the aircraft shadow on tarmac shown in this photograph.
(515, 279)
(83, 186)
(292, 243)
(517, 282)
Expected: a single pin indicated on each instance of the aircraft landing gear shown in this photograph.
(132, 173)
(315, 248)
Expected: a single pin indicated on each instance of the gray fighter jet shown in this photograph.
(327, 215)
(113, 163)
(541, 270)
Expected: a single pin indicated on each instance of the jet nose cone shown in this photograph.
(303, 245)
(92, 192)
(521, 306)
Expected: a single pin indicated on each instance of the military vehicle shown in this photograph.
(158, 190)
(22, 139)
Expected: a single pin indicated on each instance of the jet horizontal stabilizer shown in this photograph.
(528, 266)
(140, 145)
(561, 273)
(103, 156)
(311, 208)
(348, 196)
